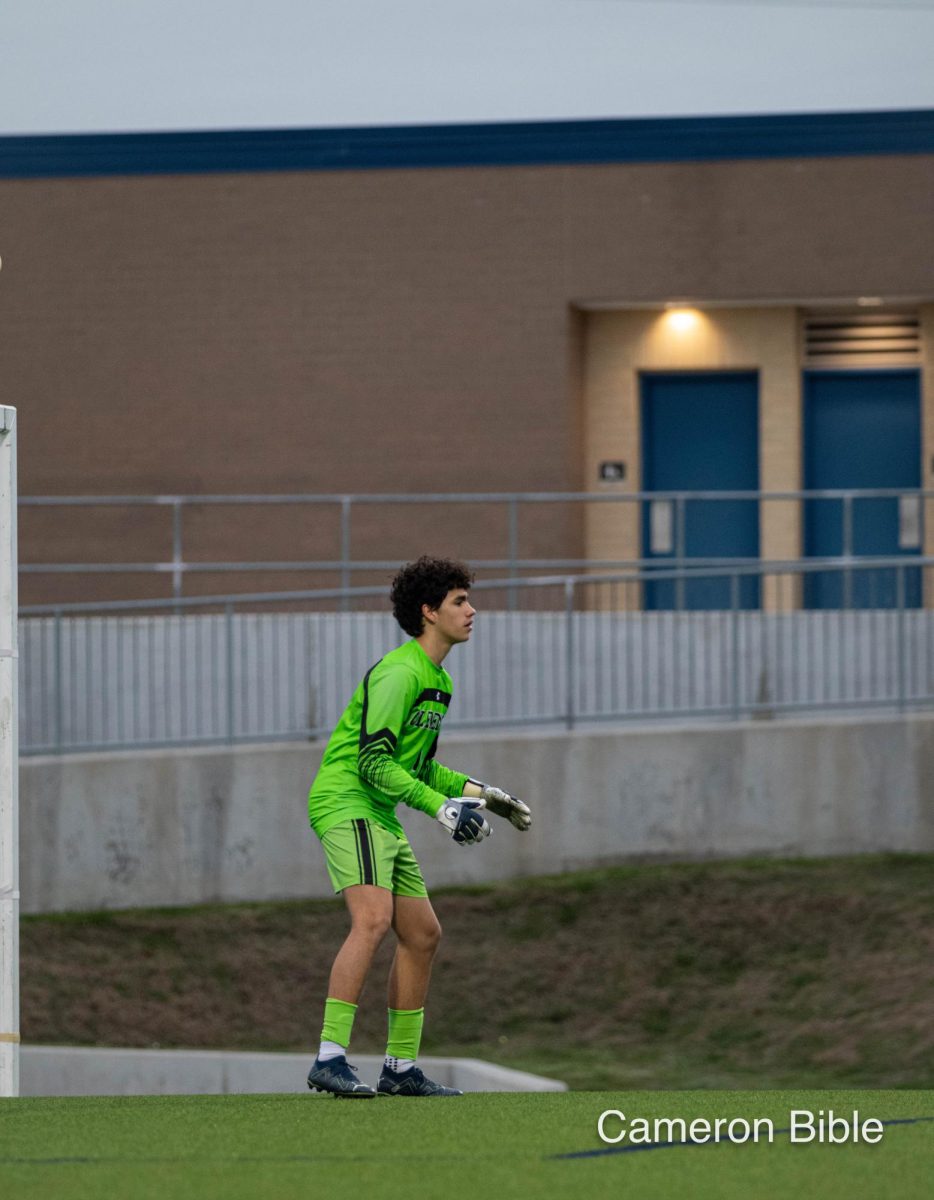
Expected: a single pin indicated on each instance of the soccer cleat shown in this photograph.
(411, 1083)
(336, 1075)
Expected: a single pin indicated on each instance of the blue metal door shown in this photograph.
(700, 432)
(862, 429)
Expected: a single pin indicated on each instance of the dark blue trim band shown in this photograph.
(539, 143)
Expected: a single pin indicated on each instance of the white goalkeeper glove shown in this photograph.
(511, 808)
(465, 820)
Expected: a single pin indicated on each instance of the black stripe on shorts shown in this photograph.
(365, 849)
(356, 842)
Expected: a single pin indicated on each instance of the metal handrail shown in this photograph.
(473, 497)
(738, 569)
(346, 565)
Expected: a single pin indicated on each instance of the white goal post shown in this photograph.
(9, 764)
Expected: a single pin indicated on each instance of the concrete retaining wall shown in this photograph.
(186, 827)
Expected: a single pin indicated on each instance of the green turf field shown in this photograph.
(483, 1145)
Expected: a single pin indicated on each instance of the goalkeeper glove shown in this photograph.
(504, 805)
(465, 820)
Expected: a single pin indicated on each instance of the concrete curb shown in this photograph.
(97, 1071)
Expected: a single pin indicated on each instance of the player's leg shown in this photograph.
(363, 874)
(418, 932)
(370, 910)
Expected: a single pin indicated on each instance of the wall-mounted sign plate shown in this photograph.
(612, 472)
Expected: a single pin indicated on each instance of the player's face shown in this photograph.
(454, 618)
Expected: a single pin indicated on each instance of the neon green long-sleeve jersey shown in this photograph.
(383, 748)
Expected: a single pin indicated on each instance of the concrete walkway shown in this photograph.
(95, 1071)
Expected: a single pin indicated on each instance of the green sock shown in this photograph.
(338, 1021)
(405, 1032)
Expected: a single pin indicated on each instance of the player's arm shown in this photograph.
(461, 814)
(389, 693)
(500, 802)
(443, 779)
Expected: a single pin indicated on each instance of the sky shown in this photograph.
(99, 66)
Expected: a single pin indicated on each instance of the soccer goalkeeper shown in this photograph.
(383, 751)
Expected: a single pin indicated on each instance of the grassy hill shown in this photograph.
(756, 974)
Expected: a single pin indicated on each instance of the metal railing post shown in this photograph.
(228, 629)
(513, 549)
(346, 506)
(900, 665)
(178, 557)
(569, 653)
(734, 642)
(59, 689)
(680, 550)
(848, 550)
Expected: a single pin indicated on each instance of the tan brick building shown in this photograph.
(468, 312)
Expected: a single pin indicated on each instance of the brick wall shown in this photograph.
(384, 331)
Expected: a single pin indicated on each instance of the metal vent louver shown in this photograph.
(860, 338)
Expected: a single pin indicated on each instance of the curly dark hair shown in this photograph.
(425, 581)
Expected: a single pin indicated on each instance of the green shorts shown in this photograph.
(361, 851)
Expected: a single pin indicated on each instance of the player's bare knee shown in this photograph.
(372, 924)
(425, 937)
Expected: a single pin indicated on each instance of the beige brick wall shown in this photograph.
(621, 345)
(405, 331)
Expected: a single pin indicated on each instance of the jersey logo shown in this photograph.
(419, 719)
